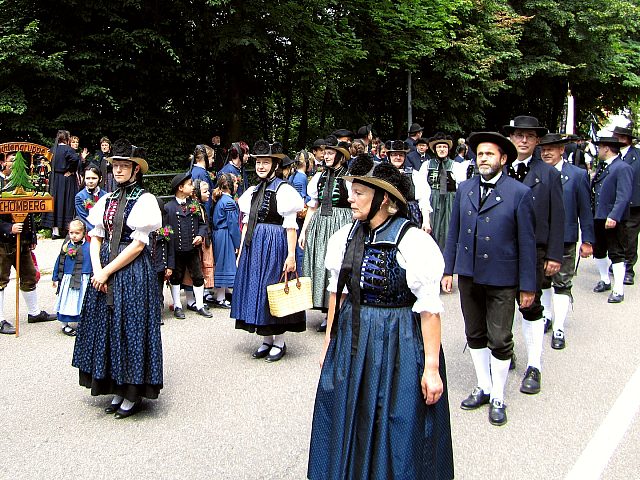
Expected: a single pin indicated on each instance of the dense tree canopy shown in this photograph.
(168, 74)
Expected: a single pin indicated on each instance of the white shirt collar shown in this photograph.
(494, 180)
(559, 165)
(624, 150)
(525, 161)
(181, 201)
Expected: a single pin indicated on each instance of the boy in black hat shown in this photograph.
(189, 230)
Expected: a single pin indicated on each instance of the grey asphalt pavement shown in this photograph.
(223, 415)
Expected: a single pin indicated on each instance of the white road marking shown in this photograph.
(598, 452)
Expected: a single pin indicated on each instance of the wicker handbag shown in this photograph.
(285, 300)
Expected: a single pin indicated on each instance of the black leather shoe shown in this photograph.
(547, 324)
(322, 327)
(7, 328)
(512, 365)
(497, 413)
(222, 304)
(557, 340)
(274, 358)
(628, 279)
(602, 287)
(531, 381)
(178, 313)
(120, 413)
(113, 408)
(475, 400)
(41, 317)
(615, 298)
(262, 353)
(203, 312)
(193, 308)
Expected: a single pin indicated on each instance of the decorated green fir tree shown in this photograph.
(19, 181)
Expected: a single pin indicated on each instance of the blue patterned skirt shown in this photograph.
(370, 420)
(118, 349)
(261, 265)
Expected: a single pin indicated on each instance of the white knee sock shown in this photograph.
(219, 294)
(55, 231)
(533, 332)
(31, 299)
(189, 296)
(499, 372)
(481, 358)
(618, 277)
(2, 305)
(603, 269)
(198, 292)
(561, 304)
(175, 294)
(268, 340)
(278, 340)
(547, 303)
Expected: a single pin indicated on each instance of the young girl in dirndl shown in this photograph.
(267, 250)
(70, 276)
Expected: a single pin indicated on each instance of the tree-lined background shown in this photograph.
(169, 74)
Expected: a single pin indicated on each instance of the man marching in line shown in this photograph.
(611, 190)
(491, 246)
(631, 155)
(546, 188)
(577, 206)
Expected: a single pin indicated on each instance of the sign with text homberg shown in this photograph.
(19, 197)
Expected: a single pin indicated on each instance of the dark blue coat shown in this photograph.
(633, 158)
(238, 172)
(613, 191)
(494, 244)
(186, 226)
(576, 194)
(81, 211)
(546, 188)
(415, 160)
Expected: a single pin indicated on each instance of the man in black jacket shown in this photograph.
(631, 155)
(546, 187)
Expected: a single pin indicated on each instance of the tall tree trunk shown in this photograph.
(303, 131)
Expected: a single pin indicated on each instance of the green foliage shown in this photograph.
(167, 75)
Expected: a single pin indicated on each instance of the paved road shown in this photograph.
(223, 415)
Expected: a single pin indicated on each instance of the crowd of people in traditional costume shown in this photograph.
(380, 228)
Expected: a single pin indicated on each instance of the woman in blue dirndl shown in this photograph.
(381, 407)
(118, 348)
(267, 250)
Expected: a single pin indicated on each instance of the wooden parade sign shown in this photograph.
(26, 147)
(19, 198)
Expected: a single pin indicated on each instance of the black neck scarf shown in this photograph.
(326, 209)
(76, 277)
(351, 271)
(118, 225)
(256, 202)
(442, 177)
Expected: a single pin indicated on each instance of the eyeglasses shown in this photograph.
(529, 136)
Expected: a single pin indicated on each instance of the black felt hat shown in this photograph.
(501, 141)
(554, 139)
(179, 180)
(332, 143)
(415, 128)
(363, 132)
(383, 175)
(262, 148)
(343, 132)
(525, 122)
(623, 131)
(422, 140)
(396, 146)
(319, 143)
(122, 149)
(286, 161)
(613, 141)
